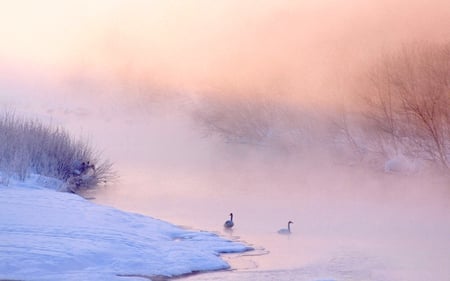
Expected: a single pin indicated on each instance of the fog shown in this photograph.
(289, 47)
(131, 77)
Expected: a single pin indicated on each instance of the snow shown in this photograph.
(50, 235)
(400, 164)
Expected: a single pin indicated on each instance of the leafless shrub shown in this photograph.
(405, 111)
(407, 103)
(28, 146)
(257, 121)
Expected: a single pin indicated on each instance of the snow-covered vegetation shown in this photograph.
(28, 146)
(48, 235)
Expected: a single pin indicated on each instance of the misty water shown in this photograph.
(350, 222)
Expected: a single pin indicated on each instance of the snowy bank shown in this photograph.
(49, 235)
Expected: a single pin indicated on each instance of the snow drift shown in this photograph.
(49, 235)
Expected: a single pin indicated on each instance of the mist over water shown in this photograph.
(132, 77)
(397, 224)
(351, 222)
(351, 219)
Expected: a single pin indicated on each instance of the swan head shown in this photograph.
(289, 225)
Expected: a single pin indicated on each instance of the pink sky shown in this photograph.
(233, 46)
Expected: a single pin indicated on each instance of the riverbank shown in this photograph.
(50, 235)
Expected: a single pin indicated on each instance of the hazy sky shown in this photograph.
(208, 46)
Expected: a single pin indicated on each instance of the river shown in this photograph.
(350, 222)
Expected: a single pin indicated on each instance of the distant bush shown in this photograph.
(28, 146)
(399, 115)
(258, 121)
(406, 105)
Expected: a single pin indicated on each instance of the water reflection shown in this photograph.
(343, 266)
(341, 232)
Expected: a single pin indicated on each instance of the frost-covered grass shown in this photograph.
(48, 235)
(28, 146)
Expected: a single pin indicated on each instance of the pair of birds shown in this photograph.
(229, 224)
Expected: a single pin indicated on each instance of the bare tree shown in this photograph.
(408, 101)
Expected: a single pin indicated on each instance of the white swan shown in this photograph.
(229, 223)
(286, 230)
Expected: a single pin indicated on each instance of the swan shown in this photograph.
(229, 223)
(286, 230)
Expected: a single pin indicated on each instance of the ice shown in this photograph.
(50, 235)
